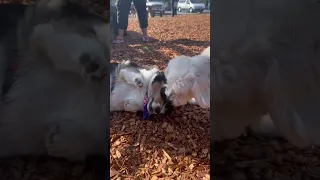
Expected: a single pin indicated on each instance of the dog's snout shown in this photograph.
(157, 110)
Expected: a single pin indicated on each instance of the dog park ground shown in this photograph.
(166, 147)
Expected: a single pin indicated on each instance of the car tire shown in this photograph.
(190, 10)
(179, 9)
(151, 14)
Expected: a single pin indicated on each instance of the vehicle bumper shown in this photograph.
(198, 9)
(157, 10)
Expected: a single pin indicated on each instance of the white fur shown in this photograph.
(189, 77)
(127, 95)
(206, 52)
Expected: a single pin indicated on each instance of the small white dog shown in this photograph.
(131, 84)
(188, 78)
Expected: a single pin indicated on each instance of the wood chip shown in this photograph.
(118, 154)
(166, 154)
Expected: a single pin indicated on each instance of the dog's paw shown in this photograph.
(91, 68)
(60, 143)
(192, 101)
(130, 106)
(139, 82)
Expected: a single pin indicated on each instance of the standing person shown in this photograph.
(123, 15)
(174, 7)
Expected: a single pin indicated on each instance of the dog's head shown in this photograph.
(158, 102)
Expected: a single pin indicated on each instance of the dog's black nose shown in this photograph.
(157, 110)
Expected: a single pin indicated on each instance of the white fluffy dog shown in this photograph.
(188, 78)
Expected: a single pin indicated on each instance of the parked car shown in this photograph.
(155, 7)
(190, 6)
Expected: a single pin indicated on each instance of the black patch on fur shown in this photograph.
(160, 77)
(163, 95)
(114, 68)
(168, 104)
(169, 107)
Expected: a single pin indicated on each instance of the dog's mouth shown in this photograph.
(164, 108)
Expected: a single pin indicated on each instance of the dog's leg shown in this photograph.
(132, 77)
(192, 101)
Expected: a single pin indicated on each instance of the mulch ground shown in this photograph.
(166, 147)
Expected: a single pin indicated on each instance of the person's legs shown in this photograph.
(123, 15)
(173, 8)
(141, 8)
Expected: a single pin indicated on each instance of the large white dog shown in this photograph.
(188, 78)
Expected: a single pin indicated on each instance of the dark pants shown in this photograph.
(173, 8)
(124, 9)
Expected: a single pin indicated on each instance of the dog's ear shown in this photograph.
(158, 82)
